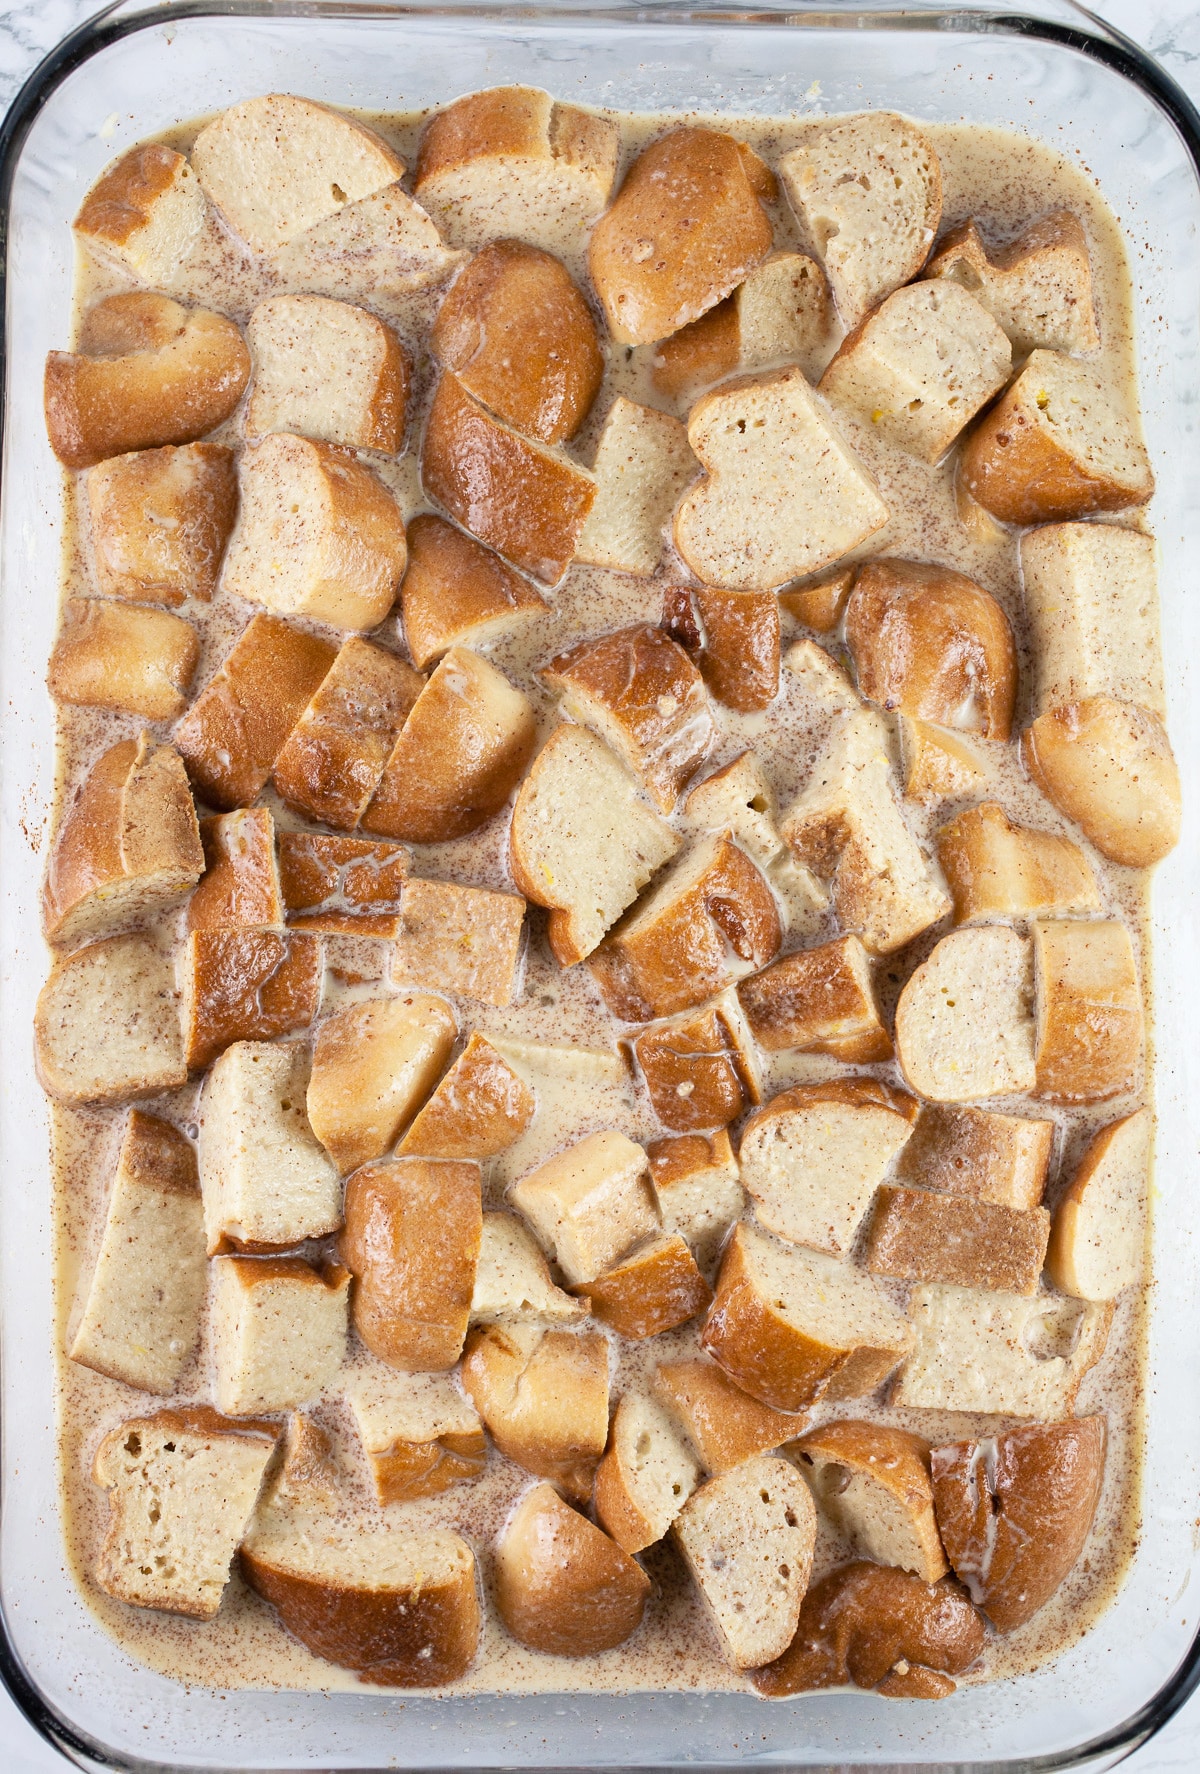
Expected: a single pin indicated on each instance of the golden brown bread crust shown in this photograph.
(464, 940)
(478, 1110)
(699, 354)
(891, 1459)
(975, 1152)
(993, 866)
(501, 120)
(123, 198)
(1091, 1021)
(1109, 766)
(158, 1156)
(740, 657)
(341, 885)
(123, 657)
(723, 1423)
(454, 589)
(245, 985)
(820, 605)
(928, 1237)
(814, 999)
(654, 1289)
(160, 520)
(240, 884)
(562, 1585)
(411, 1469)
(544, 1398)
(697, 1070)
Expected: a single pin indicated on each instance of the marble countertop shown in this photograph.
(1170, 29)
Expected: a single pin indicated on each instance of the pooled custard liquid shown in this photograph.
(1006, 181)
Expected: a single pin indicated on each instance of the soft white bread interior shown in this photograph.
(464, 940)
(278, 1332)
(125, 657)
(1090, 1018)
(574, 1087)
(374, 1062)
(589, 1204)
(723, 1424)
(938, 765)
(696, 1182)
(995, 868)
(1091, 597)
(418, 1432)
(964, 1023)
(563, 1586)
(872, 1482)
(977, 1152)
(513, 1278)
(642, 463)
(544, 1397)
(779, 313)
(378, 250)
(327, 370)
(145, 214)
(239, 888)
(1109, 766)
(107, 1024)
(1098, 1240)
(1039, 287)
(738, 798)
(646, 1476)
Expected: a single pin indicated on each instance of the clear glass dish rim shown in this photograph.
(1076, 28)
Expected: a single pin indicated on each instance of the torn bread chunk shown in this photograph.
(544, 1397)
(696, 1181)
(278, 1332)
(310, 1476)
(341, 885)
(589, 1204)
(479, 1109)
(872, 1482)
(1091, 597)
(374, 1062)
(821, 604)
(159, 522)
(739, 658)
(1090, 1021)
(411, 1241)
(1098, 1242)
(246, 985)
(106, 1028)
(1002, 1353)
(420, 1435)
(921, 1236)
(938, 765)
(646, 1476)
(165, 1475)
(1109, 766)
(326, 370)
(964, 1023)
(723, 1424)
(455, 592)
(582, 843)
(978, 1153)
(576, 1087)
(642, 464)
(128, 847)
(994, 868)
(513, 1280)
(820, 1000)
(656, 1288)
(263, 1175)
(378, 250)
(822, 679)
(562, 1586)
(462, 940)
(239, 888)
(144, 214)
(779, 313)
(739, 799)
(701, 1069)
(1039, 287)
(141, 1315)
(867, 193)
(782, 494)
(123, 657)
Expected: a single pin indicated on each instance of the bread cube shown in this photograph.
(589, 1204)
(279, 165)
(823, 680)
(480, 1107)
(128, 847)
(646, 1476)
(738, 799)
(160, 520)
(696, 1181)
(513, 1281)
(994, 868)
(821, 604)
(148, 372)
(999, 1352)
(341, 885)
(821, 1000)
(782, 494)
(123, 657)
(456, 593)
(1091, 596)
(106, 1028)
(318, 534)
(748, 1537)
(1090, 1022)
(1039, 287)
(977, 1153)
(938, 766)
(181, 1486)
(1098, 1241)
(237, 726)
(310, 1475)
(562, 1586)
(379, 250)
(240, 885)
(872, 1482)
(575, 1087)
(144, 214)
(700, 1069)
(723, 1424)
(1109, 766)
(964, 1024)
(374, 1063)
(867, 193)
(463, 940)
(326, 370)
(779, 313)
(656, 1288)
(459, 755)
(279, 1331)
(791, 1326)
(924, 1237)
(642, 463)
(1058, 445)
(245, 985)
(544, 1397)
(411, 1241)
(740, 657)
(581, 841)
(419, 1433)
(141, 1314)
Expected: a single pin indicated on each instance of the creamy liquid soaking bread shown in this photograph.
(611, 740)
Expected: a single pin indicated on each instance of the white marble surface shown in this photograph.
(1170, 29)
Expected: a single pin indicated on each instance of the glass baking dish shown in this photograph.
(1057, 73)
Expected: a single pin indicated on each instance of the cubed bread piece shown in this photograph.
(419, 1433)
(378, 250)
(684, 229)
(1091, 597)
(994, 868)
(160, 520)
(867, 193)
(318, 534)
(740, 656)
(872, 1481)
(106, 1027)
(779, 313)
(710, 919)
(141, 1317)
(723, 1424)
(782, 496)
(642, 463)
(463, 940)
(246, 985)
(512, 162)
(932, 643)
(582, 843)
(1057, 445)
(334, 758)
(397, 1605)
(128, 847)
(921, 1236)
(278, 165)
(524, 500)
(575, 1088)
(791, 1325)
(343, 885)
(964, 1023)
(998, 1352)
(239, 888)
(821, 604)
(513, 1281)
(938, 765)
(460, 753)
(696, 1181)
(181, 1489)
(738, 799)
(646, 1476)
(1015, 1511)
(846, 826)
(1090, 1023)
(589, 1204)
(237, 726)
(700, 1069)
(814, 1156)
(1109, 766)
(456, 593)
(148, 372)
(822, 679)
(326, 370)
(144, 214)
(1098, 1242)
(544, 1397)
(821, 1000)
(278, 1331)
(310, 1475)
(519, 336)
(411, 1240)
(480, 1107)
(747, 1537)
(123, 657)
(975, 1152)
(1039, 287)
(374, 1063)
(562, 1586)
(655, 1288)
